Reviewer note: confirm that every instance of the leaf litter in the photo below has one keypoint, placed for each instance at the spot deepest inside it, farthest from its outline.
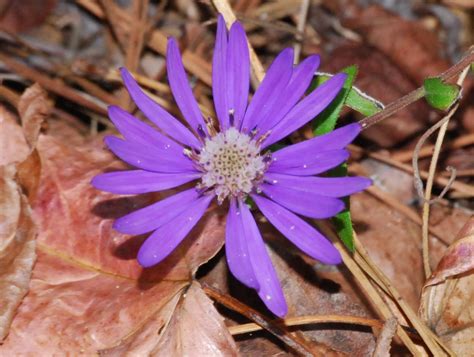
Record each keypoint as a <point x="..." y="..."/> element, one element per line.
<point x="88" y="295"/>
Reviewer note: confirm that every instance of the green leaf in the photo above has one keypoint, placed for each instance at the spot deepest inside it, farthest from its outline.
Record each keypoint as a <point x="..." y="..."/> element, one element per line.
<point x="343" y="223"/>
<point x="361" y="102"/>
<point x="440" y="95"/>
<point x="343" y="220"/>
<point x="326" y="121"/>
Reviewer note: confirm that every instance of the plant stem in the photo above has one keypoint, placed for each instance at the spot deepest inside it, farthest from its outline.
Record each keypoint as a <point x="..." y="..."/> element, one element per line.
<point x="418" y="93"/>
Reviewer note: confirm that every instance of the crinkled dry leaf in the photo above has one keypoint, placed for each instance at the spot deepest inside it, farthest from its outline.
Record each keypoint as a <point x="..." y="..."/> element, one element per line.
<point x="184" y="335"/>
<point x="447" y="303"/>
<point x="34" y="108"/>
<point x="88" y="293"/>
<point x="13" y="145"/>
<point x="17" y="229"/>
<point x="17" y="247"/>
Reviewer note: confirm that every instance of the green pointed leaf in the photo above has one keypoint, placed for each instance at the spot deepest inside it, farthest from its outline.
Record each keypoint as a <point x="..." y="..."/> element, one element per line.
<point x="362" y="103"/>
<point x="326" y="121"/>
<point x="343" y="221"/>
<point x="440" y="95"/>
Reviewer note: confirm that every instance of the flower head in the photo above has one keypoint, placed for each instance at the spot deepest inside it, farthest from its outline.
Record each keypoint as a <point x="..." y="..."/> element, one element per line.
<point x="229" y="160"/>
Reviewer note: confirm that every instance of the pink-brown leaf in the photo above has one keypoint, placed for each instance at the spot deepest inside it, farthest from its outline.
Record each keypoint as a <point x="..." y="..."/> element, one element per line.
<point x="17" y="247"/>
<point x="88" y="291"/>
<point x="447" y="302"/>
<point x="195" y="329"/>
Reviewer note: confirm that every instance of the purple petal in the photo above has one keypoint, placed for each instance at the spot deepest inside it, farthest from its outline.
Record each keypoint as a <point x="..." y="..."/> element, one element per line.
<point x="135" y="130"/>
<point x="277" y="77"/>
<point x="182" y="92"/>
<point x="299" y="232"/>
<point x="335" y="140"/>
<point x="287" y="98"/>
<point x="236" y="250"/>
<point x="307" y="109"/>
<point x="324" y="186"/>
<point x="167" y="237"/>
<point x="305" y="203"/>
<point x="149" y="158"/>
<point x="162" y="119"/>
<point x="138" y="181"/>
<point x="151" y="217"/>
<point x="270" y="290"/>
<point x="305" y="163"/>
<point x="238" y="72"/>
<point x="219" y="74"/>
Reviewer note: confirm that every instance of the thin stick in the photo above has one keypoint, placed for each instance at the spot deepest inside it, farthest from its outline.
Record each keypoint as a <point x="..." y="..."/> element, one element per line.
<point x="462" y="141"/>
<point x="308" y="320"/>
<point x="258" y="72"/>
<point x="136" y="38"/>
<point x="382" y="347"/>
<point x="279" y="331"/>
<point x="300" y="27"/>
<point x="418" y="93"/>
<point x="156" y="41"/>
<point x="429" y="186"/>
<point x="429" y="182"/>
<point x="433" y="342"/>
<point x="462" y="187"/>
<point x="373" y="294"/>
<point x="135" y="42"/>
<point x="53" y="85"/>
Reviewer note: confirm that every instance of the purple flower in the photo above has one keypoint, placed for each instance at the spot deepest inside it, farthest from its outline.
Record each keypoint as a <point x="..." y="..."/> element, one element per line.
<point x="230" y="160"/>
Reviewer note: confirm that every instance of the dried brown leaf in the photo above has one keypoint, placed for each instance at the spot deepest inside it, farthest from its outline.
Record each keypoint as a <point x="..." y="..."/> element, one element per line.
<point x="17" y="247"/>
<point x="412" y="47"/>
<point x="13" y="145"/>
<point x="184" y="334"/>
<point x="88" y="293"/>
<point x="447" y="303"/>
<point x="34" y="108"/>
<point x="19" y="16"/>
<point x="379" y="77"/>
<point x="17" y="229"/>
<point x="393" y="243"/>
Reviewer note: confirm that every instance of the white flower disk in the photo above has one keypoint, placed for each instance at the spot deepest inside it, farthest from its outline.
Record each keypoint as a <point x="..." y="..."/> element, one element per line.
<point x="232" y="164"/>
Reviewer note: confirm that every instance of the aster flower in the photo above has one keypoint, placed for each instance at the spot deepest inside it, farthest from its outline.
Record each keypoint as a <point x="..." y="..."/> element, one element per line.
<point x="229" y="160"/>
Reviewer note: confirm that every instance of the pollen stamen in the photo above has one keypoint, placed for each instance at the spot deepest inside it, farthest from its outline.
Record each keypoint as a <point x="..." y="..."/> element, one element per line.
<point x="211" y="128"/>
<point x="232" y="164"/>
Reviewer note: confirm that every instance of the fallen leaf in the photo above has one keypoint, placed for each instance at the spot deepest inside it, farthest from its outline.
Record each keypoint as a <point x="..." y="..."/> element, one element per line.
<point x="21" y="16"/>
<point x="392" y="241"/>
<point x="381" y="78"/>
<point x="412" y="47"/>
<point x="17" y="247"/>
<point x="13" y="145"/>
<point x="88" y="293"/>
<point x="185" y="335"/>
<point x="447" y="303"/>
<point x="20" y="169"/>
<point x="34" y="108"/>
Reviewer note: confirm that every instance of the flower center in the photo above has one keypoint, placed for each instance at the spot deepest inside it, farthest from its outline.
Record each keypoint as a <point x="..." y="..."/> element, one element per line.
<point x="232" y="164"/>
